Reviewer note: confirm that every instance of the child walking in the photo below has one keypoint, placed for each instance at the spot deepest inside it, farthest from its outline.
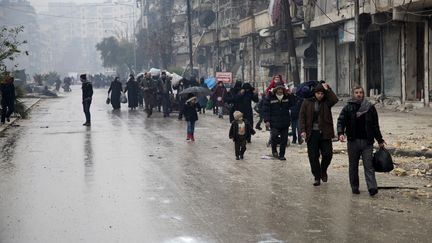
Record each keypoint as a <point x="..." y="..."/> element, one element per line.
<point x="240" y="131"/>
<point x="191" y="116"/>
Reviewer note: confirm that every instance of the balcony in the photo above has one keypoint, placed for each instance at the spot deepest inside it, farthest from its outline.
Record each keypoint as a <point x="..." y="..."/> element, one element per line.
<point x="259" y="21"/>
<point x="198" y="5"/>
<point x="231" y="33"/>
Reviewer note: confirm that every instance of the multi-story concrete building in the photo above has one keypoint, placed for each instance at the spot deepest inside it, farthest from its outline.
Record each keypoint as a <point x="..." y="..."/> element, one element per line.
<point x="395" y="46"/>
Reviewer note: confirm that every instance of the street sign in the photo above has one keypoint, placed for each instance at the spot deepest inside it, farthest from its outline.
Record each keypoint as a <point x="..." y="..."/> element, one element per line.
<point x="225" y="77"/>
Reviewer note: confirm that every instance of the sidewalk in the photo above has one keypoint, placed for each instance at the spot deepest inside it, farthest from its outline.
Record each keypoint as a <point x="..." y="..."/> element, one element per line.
<point x="29" y="103"/>
<point x="408" y="135"/>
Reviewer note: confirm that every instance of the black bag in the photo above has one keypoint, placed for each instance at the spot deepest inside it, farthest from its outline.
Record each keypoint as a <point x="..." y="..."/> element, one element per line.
<point x="382" y="161"/>
<point x="108" y="101"/>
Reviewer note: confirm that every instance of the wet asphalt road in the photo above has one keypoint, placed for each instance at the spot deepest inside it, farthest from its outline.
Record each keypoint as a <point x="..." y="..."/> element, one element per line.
<point x="133" y="179"/>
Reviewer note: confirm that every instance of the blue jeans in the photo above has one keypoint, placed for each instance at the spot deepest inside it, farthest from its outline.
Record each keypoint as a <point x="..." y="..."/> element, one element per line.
<point x="86" y="108"/>
<point x="190" y="127"/>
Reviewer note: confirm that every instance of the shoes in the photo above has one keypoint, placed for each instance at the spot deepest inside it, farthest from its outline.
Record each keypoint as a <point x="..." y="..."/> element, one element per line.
<point x="7" y="119"/>
<point x="258" y="127"/>
<point x="373" y="191"/>
<point x="317" y="182"/>
<point x="237" y="158"/>
<point x="220" y="116"/>
<point x="241" y="156"/>
<point x="275" y="155"/>
<point x="192" y="138"/>
<point x="294" y="142"/>
<point x="282" y="158"/>
<point x="300" y="141"/>
<point x="268" y="144"/>
<point x="324" y="176"/>
<point x="356" y="191"/>
<point x="87" y="124"/>
<point x="188" y="137"/>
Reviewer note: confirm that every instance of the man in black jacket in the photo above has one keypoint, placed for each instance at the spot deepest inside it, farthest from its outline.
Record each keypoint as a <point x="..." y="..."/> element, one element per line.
<point x="277" y="117"/>
<point x="87" y="93"/>
<point x="359" y="121"/>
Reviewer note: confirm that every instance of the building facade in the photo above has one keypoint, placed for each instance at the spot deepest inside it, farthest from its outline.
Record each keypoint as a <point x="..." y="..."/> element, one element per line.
<point x="394" y="41"/>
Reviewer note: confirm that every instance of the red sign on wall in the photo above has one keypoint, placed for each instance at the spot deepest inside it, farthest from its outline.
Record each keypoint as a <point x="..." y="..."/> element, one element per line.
<point x="225" y="77"/>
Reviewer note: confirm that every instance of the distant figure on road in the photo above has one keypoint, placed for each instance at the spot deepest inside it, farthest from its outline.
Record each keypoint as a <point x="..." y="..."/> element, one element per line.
<point x="277" y="118"/>
<point x="115" y="89"/>
<point x="231" y="99"/>
<point x="191" y="116"/>
<point x="241" y="130"/>
<point x="8" y="98"/>
<point x="295" y="110"/>
<point x="218" y="97"/>
<point x="149" y="87"/>
<point x="132" y="90"/>
<point x="316" y="127"/>
<point x="276" y="81"/>
<point x="359" y="121"/>
<point x="165" y="90"/>
<point x="87" y="94"/>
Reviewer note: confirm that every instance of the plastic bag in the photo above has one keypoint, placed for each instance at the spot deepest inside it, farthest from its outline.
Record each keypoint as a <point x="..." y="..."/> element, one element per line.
<point x="123" y="98"/>
<point x="382" y="161"/>
<point x="210" y="104"/>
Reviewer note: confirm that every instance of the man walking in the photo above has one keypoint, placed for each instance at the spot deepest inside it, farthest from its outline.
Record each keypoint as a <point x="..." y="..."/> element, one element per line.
<point x="316" y="127"/>
<point x="277" y="118"/>
<point x="87" y="93"/>
<point x="359" y="121"/>
<point x="165" y="90"/>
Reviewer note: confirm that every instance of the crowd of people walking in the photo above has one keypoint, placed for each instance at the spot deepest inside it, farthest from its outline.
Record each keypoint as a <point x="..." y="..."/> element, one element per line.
<point x="306" y="109"/>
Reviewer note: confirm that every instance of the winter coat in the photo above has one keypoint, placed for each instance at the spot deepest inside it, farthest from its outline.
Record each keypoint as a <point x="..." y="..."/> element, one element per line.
<point x="7" y="94"/>
<point x="87" y="91"/>
<point x="165" y="86"/>
<point x="277" y="112"/>
<point x="132" y="92"/>
<point x="220" y="91"/>
<point x="273" y="85"/>
<point x="325" y="118"/>
<point x="244" y="104"/>
<point x="346" y="123"/>
<point x="115" y="89"/>
<point x="190" y="111"/>
<point x="295" y="110"/>
<point x="233" y="132"/>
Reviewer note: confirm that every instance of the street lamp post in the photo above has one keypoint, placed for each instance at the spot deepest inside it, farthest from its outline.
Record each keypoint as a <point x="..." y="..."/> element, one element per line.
<point x="134" y="30"/>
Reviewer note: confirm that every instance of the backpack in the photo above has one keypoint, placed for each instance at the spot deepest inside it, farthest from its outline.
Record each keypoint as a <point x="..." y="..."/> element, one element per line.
<point x="306" y="90"/>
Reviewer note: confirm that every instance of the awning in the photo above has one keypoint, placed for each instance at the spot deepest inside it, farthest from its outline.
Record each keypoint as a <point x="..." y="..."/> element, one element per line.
<point x="301" y="50"/>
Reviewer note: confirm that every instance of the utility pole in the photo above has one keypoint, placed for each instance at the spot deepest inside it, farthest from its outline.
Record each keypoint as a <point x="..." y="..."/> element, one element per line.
<point x="287" y="25"/>
<point x="190" y="36"/>
<point x="357" y="43"/>
<point x="218" y="68"/>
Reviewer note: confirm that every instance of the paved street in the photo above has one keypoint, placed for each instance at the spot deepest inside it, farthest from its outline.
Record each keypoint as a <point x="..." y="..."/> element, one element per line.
<point x="129" y="178"/>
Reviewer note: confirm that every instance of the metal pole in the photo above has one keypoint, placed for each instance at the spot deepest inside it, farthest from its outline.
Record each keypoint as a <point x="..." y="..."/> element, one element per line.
<point x="190" y="36"/>
<point x="357" y="43"/>
<point x="217" y="40"/>
<point x="134" y="40"/>
<point x="291" y="42"/>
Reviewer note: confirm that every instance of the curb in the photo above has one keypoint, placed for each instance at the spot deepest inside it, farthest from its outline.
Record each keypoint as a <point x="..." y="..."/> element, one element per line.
<point x="13" y="120"/>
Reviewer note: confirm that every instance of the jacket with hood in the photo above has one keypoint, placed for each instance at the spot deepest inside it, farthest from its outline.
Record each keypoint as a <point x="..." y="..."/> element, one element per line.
<point x="325" y="118"/>
<point x="273" y="84"/>
<point x="276" y="111"/>
<point x="348" y="120"/>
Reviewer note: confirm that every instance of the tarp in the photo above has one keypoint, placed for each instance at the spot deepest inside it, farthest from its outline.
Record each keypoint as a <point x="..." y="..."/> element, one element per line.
<point x="210" y="82"/>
